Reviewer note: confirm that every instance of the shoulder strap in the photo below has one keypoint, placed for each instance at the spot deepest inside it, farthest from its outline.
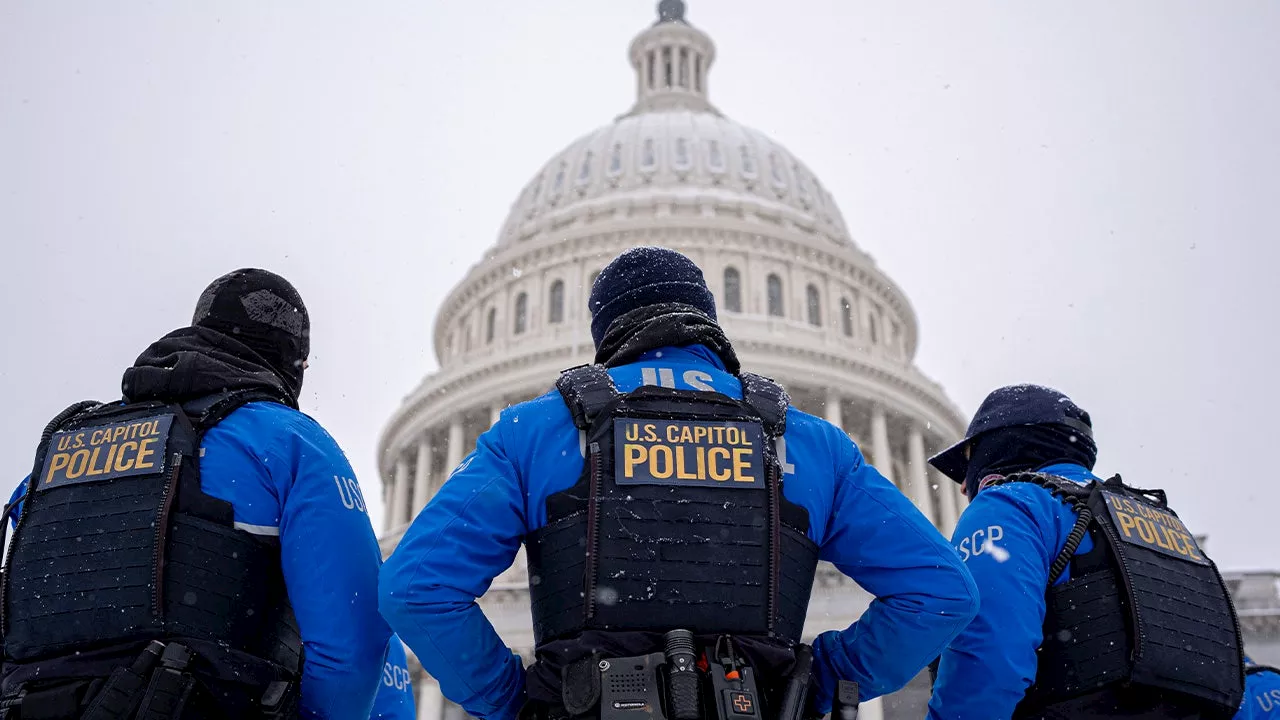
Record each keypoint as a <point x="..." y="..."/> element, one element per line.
<point x="1073" y="496"/>
<point x="210" y="410"/>
<point x="586" y="389"/>
<point x="767" y="398"/>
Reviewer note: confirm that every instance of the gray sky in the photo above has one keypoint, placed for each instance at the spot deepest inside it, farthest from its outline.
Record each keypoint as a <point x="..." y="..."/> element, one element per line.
<point x="1077" y="194"/>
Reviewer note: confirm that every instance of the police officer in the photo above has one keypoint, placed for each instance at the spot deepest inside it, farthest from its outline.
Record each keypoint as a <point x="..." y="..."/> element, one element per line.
<point x="176" y="551"/>
<point x="394" y="700"/>
<point x="669" y="502"/>
<point x="1261" y="692"/>
<point x="1096" y="601"/>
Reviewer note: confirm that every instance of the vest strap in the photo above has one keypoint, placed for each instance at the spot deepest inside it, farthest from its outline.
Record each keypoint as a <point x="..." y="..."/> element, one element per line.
<point x="586" y="389"/>
<point x="767" y="398"/>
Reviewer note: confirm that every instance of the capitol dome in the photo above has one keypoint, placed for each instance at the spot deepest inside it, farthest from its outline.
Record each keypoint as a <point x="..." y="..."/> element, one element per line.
<point x="801" y="302"/>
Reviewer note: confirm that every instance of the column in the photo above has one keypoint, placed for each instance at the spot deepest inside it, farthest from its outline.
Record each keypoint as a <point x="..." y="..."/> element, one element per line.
<point x="454" y="451"/>
<point x="399" y="510"/>
<point x="919" y="474"/>
<point x="834" y="412"/>
<point x="883" y="460"/>
<point x="422" y="478"/>
<point x="871" y="710"/>
<point x="495" y="412"/>
<point x="430" y="702"/>
<point x="947" y="491"/>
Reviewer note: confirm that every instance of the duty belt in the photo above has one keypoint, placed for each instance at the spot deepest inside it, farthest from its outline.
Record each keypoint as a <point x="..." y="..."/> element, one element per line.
<point x="155" y="686"/>
<point x="677" y="684"/>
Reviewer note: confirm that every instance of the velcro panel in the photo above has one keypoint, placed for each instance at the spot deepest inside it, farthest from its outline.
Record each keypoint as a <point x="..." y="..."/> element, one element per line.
<point x="1185" y="626"/>
<point x="683" y="557"/>
<point x="557" y="556"/>
<point x="799" y="563"/>
<point x="1086" y="641"/>
<point x="219" y="583"/>
<point x="82" y="571"/>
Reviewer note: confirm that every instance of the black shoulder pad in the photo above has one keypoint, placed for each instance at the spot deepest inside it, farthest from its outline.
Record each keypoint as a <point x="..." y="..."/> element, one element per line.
<point x="767" y="398"/>
<point x="210" y="410"/>
<point x="586" y="389"/>
<point x="1069" y="492"/>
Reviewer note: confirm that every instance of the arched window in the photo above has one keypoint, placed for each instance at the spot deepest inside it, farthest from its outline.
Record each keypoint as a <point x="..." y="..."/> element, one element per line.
<point x="615" y="160"/>
<point x="648" y="155"/>
<point x="873" y="332"/>
<point x="682" y="154"/>
<point x="488" y="325"/>
<point x="558" y="184"/>
<point x="715" y="160"/>
<point x="774" y="287"/>
<point x="555" y="309"/>
<point x="667" y="70"/>
<point x="522" y="313"/>
<point x="732" y="290"/>
<point x="776" y="171"/>
<point x="748" y="162"/>
<point x="813" y="304"/>
<point x="584" y="173"/>
<point x="846" y="317"/>
<point x="591" y="283"/>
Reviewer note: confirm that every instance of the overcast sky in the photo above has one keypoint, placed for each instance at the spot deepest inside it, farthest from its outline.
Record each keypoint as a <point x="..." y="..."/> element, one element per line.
<point x="1078" y="194"/>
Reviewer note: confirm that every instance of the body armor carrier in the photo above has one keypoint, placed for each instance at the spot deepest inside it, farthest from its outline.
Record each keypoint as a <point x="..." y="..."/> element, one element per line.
<point x="1144" y="627"/>
<point x="120" y="561"/>
<point x="677" y="521"/>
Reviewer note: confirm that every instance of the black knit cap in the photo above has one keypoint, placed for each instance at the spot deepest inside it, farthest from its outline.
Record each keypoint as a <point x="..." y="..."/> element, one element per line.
<point x="646" y="276"/>
<point x="263" y="311"/>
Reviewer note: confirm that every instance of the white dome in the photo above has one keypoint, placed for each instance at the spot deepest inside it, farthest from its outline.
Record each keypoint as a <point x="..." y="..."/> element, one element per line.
<point x="696" y="156"/>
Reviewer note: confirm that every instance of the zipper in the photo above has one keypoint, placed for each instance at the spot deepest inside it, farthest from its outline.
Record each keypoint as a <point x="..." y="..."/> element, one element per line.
<point x="593" y="529"/>
<point x="775" y="523"/>
<point x="1138" y="631"/>
<point x="1235" y="619"/>
<point x="162" y="536"/>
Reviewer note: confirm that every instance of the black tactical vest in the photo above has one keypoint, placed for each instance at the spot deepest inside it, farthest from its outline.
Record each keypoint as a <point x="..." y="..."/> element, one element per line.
<point x="1145" y="626"/>
<point x="677" y="521"/>
<point x="117" y="545"/>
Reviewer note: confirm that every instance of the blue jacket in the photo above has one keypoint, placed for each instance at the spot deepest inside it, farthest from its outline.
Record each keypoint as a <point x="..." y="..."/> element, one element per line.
<point x="1008" y="537"/>
<point x="286" y="477"/>
<point x="1261" y="695"/>
<point x="471" y="530"/>
<point x="395" y="694"/>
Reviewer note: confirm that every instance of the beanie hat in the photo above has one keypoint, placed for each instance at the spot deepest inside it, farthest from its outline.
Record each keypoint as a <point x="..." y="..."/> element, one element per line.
<point x="264" y="312"/>
<point x="646" y="276"/>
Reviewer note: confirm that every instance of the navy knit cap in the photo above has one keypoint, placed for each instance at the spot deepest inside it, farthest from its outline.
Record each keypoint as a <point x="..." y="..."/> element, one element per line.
<point x="646" y="276"/>
<point x="1012" y="406"/>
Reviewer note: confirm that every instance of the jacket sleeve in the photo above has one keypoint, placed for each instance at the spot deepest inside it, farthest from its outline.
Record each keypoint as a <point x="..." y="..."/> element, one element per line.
<point x="465" y="537"/>
<point x="1006" y="539"/>
<point x="923" y="594"/>
<point x="330" y="559"/>
<point x="395" y="693"/>
<point x="1261" y="697"/>
<point x="15" y="502"/>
